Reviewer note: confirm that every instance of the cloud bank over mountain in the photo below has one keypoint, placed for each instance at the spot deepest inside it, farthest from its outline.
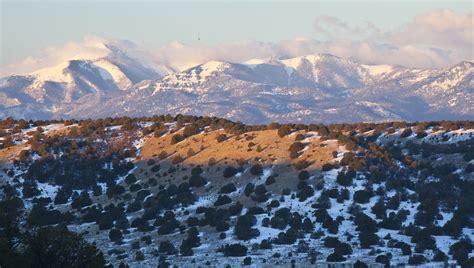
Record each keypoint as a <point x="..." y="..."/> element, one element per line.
<point x="436" y="39"/>
<point x="430" y="40"/>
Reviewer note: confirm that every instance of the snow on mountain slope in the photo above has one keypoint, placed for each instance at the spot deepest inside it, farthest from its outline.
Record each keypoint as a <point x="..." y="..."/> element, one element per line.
<point x="452" y="88"/>
<point x="115" y="73"/>
<point x="326" y="70"/>
<point x="311" y="88"/>
<point x="254" y="62"/>
<point x="192" y="78"/>
<point x="376" y="70"/>
<point x="319" y="70"/>
<point x="453" y="76"/>
<point x="58" y="90"/>
<point x="55" y="73"/>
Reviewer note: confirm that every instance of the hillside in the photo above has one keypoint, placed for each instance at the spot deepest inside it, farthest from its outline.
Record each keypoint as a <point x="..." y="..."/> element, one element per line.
<point x="194" y="191"/>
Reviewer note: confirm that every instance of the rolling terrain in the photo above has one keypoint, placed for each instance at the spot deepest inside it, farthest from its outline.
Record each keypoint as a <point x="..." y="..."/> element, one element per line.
<point x="193" y="191"/>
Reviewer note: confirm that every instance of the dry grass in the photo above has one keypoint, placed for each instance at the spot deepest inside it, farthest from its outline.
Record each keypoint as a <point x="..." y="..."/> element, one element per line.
<point x="11" y="152"/>
<point x="264" y="147"/>
<point x="269" y="150"/>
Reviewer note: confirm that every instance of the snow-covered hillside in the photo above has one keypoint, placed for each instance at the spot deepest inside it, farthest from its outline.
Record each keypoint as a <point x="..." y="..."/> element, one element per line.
<point x="195" y="191"/>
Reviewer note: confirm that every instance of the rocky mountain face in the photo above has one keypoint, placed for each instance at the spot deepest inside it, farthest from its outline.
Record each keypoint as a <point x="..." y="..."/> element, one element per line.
<point x="198" y="191"/>
<point x="313" y="88"/>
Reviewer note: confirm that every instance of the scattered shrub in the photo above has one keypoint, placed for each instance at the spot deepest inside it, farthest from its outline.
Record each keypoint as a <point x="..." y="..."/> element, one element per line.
<point x="256" y="170"/>
<point x="229" y="172"/>
<point x="222" y="200"/>
<point x="283" y="131"/>
<point x="295" y="148"/>
<point x="234" y="250"/>
<point x="303" y="175"/>
<point x="221" y="137"/>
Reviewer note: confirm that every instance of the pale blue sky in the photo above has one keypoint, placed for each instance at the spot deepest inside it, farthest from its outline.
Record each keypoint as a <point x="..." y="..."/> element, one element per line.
<point x="28" y="27"/>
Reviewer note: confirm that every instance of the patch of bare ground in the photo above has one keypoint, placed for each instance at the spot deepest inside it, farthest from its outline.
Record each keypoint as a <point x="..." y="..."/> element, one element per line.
<point x="11" y="152"/>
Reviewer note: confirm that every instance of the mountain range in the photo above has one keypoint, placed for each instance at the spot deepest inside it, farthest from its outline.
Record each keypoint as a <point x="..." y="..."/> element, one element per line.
<point x="312" y="88"/>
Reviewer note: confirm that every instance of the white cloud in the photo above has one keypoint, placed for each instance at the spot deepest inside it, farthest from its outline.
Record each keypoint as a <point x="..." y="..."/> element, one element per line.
<point x="433" y="40"/>
<point x="444" y="30"/>
<point x="91" y="47"/>
<point x="181" y="56"/>
<point x="335" y="28"/>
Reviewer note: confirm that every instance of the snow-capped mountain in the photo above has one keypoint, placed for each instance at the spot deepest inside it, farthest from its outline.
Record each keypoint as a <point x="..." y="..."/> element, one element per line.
<point x="323" y="71"/>
<point x="312" y="88"/>
<point x="55" y="91"/>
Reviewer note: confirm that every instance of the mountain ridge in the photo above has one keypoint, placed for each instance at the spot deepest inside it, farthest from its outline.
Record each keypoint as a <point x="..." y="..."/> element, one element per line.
<point x="310" y="88"/>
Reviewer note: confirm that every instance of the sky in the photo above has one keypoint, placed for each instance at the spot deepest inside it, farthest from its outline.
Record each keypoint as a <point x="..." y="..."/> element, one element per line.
<point x="35" y="34"/>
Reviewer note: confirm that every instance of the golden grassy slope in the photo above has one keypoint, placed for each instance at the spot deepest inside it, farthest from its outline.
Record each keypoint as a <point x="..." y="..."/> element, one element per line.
<point x="267" y="148"/>
<point x="273" y="154"/>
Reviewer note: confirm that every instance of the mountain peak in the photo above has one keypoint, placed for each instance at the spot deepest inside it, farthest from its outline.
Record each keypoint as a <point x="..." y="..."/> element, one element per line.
<point x="56" y="73"/>
<point x="315" y="87"/>
<point x="212" y="66"/>
<point x="316" y="57"/>
<point x="465" y="64"/>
